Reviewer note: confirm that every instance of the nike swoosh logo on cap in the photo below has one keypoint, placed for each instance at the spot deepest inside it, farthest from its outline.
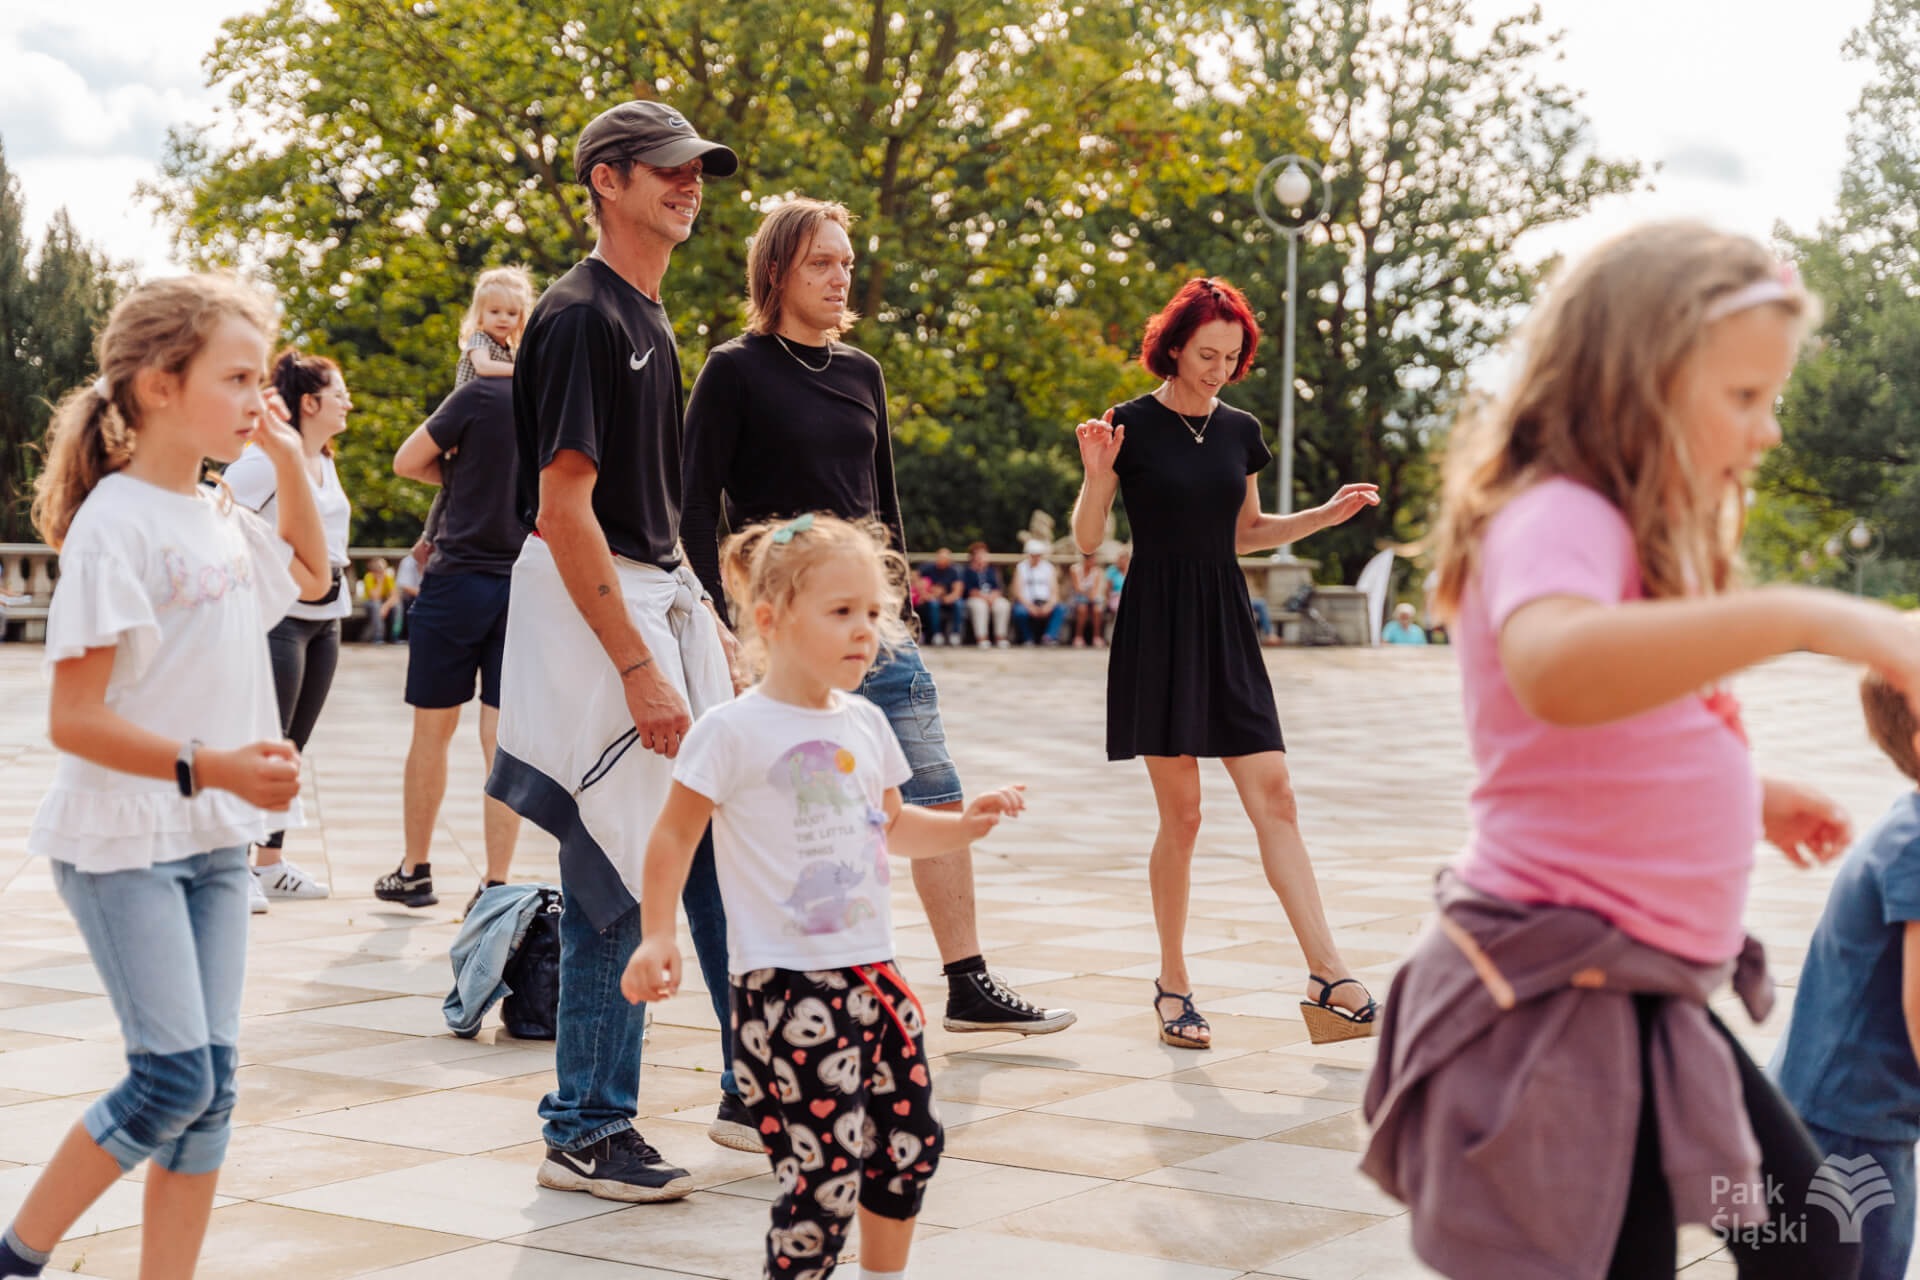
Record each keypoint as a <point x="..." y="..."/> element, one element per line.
<point x="638" y="362"/>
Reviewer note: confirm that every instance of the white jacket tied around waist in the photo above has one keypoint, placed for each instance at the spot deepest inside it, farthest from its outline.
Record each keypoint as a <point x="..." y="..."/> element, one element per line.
<point x="569" y="758"/>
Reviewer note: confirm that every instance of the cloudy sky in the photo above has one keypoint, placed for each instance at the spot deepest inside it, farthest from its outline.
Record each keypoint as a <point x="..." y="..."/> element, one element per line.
<point x="1744" y="102"/>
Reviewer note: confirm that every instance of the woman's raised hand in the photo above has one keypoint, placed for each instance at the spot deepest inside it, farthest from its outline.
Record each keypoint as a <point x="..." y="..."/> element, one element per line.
<point x="274" y="430"/>
<point x="1100" y="443"/>
<point x="1341" y="507"/>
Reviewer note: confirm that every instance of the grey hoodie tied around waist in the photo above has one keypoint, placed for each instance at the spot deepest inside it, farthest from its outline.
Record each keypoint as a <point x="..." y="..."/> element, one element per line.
<point x="1505" y="1097"/>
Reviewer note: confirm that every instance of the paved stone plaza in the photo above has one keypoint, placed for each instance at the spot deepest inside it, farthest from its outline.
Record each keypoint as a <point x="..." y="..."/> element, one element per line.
<point x="371" y="1141"/>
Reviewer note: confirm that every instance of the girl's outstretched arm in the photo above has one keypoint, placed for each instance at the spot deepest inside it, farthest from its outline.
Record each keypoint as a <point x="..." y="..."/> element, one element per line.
<point x="1573" y="661"/>
<point x="913" y="832"/>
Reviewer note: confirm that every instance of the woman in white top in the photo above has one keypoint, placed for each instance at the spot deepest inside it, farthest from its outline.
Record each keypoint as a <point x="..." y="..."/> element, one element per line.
<point x="306" y="644"/>
<point x="171" y="759"/>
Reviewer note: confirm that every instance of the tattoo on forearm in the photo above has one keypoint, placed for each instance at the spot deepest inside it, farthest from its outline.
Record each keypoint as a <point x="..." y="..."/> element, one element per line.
<point x="627" y="671"/>
<point x="605" y="590"/>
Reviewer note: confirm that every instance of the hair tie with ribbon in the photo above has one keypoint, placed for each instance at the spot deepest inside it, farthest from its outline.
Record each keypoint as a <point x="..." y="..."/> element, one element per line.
<point x="784" y="534"/>
<point x="102" y="389"/>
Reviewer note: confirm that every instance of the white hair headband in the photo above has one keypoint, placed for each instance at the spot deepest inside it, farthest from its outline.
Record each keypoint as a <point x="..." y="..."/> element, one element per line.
<point x="1782" y="286"/>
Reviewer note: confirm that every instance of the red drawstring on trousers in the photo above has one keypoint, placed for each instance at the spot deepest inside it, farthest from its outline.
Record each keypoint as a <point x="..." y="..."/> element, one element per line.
<point x="886" y="967"/>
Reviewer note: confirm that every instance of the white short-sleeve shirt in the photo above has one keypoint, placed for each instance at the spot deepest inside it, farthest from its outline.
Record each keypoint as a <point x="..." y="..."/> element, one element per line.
<point x="252" y="478"/>
<point x="184" y="587"/>
<point x="799" y="834"/>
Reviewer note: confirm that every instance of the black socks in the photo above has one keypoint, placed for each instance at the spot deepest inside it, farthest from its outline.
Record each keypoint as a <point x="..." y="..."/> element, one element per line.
<point x="960" y="970"/>
<point x="18" y="1260"/>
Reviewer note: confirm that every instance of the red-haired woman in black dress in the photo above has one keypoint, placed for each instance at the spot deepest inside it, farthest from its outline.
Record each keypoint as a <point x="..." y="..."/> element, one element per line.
<point x="1185" y="679"/>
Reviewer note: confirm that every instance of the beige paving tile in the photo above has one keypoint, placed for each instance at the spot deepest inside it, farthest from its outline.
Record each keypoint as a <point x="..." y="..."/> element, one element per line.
<point x="1281" y="1172"/>
<point x="993" y="1083"/>
<point x="467" y="1197"/>
<point x="1344" y="1132"/>
<point x="967" y="1255"/>
<point x="1068" y="1144"/>
<point x="15" y="996"/>
<point x="282" y="1037"/>
<point x="515" y="1262"/>
<point x="282" y="1093"/>
<point x="705" y="1234"/>
<point x="1182" y="1226"/>
<point x="64" y="1067"/>
<point x="409" y="1015"/>
<point x="247" y="1241"/>
<point x="1272" y="1073"/>
<point x="1233" y="1113"/>
<point x="1383" y="1251"/>
<point x="459" y="1124"/>
<point x="263" y="1162"/>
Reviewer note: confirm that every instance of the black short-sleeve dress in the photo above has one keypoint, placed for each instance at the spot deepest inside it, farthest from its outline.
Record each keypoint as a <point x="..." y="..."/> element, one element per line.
<point x="1184" y="674"/>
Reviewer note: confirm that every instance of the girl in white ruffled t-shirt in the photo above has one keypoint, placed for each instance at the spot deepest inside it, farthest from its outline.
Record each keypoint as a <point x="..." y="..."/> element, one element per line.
<point x="163" y="711"/>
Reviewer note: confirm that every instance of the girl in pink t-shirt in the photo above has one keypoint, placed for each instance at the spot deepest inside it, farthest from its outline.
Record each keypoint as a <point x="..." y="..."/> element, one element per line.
<point x="1587" y="549"/>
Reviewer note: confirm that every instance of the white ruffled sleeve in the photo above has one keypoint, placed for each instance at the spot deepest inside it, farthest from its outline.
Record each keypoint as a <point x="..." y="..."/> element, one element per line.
<point x="273" y="584"/>
<point x="99" y="601"/>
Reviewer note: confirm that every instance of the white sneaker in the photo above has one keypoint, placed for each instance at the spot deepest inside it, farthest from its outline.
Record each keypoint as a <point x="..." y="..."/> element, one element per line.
<point x="1002" y="644"/>
<point x="256" y="896"/>
<point x="287" y="879"/>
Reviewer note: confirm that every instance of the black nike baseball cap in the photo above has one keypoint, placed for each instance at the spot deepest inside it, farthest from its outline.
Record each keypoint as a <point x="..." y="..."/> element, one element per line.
<point x="652" y="133"/>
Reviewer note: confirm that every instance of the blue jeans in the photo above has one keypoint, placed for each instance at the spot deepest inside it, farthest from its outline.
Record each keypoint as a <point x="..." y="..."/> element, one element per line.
<point x="900" y="685"/>
<point x="1029" y="625"/>
<point x="1886" y="1232"/>
<point x="597" y="1050"/>
<point x="1262" y="620"/>
<point x="170" y="944"/>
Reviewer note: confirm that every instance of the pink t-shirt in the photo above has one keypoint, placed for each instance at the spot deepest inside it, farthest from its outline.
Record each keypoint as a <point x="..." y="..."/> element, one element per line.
<point x="1649" y="822"/>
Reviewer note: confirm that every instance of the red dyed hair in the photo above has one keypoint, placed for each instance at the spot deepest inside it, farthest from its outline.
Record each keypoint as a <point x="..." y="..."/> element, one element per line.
<point x="1199" y="302"/>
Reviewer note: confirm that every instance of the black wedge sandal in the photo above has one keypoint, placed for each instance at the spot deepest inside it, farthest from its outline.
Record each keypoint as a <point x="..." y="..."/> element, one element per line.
<point x="1170" y="1032"/>
<point x="1328" y="1022"/>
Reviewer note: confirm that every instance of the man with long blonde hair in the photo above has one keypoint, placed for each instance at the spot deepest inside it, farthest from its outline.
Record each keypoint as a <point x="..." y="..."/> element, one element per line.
<point x="787" y="419"/>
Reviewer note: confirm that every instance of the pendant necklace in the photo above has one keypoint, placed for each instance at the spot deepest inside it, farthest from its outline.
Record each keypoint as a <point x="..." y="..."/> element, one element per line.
<point x="1199" y="433"/>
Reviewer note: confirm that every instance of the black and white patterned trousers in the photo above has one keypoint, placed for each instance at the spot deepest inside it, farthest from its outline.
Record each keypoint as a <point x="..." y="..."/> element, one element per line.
<point x="833" y="1067"/>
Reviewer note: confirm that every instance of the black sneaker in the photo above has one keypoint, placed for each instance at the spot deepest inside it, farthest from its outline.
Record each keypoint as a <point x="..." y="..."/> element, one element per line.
<point x="409" y="890"/>
<point x="620" y="1166"/>
<point x="981" y="1002"/>
<point x="734" y="1126"/>
<point x="474" y="901"/>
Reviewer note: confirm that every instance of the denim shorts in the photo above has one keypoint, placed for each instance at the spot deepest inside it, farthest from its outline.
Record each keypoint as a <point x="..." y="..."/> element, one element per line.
<point x="900" y="685"/>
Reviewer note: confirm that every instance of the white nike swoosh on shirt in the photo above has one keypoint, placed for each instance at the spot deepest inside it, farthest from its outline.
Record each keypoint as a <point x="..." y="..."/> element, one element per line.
<point x="637" y="363"/>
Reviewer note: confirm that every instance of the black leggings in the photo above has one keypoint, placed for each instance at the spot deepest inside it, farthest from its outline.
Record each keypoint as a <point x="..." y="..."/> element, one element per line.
<point x="305" y="653"/>
<point x="1796" y="1243"/>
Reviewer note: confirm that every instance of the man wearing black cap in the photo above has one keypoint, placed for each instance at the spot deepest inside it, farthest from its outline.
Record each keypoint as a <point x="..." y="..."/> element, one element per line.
<point x="610" y="648"/>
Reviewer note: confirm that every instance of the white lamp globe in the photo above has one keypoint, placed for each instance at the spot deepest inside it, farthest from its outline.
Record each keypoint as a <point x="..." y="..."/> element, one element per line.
<point x="1860" y="535"/>
<point x="1293" y="187"/>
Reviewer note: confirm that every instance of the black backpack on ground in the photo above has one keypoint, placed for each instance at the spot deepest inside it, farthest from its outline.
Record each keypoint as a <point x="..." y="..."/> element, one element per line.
<point x="532" y="1007"/>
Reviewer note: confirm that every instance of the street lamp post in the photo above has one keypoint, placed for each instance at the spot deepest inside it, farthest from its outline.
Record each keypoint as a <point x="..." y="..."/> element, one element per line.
<point x="1861" y="545"/>
<point x="1291" y="185"/>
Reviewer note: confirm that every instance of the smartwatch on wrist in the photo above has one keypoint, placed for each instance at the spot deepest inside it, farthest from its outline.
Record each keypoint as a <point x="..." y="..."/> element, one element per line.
<point x="183" y="768"/>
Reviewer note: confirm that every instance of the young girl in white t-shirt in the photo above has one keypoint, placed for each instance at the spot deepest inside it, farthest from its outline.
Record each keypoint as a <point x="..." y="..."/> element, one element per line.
<point x="800" y="777"/>
<point x="163" y="711"/>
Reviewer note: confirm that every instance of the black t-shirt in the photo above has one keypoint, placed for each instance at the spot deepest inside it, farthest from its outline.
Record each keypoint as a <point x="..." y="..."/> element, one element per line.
<point x="480" y="529"/>
<point x="598" y="372"/>
<point x="1183" y="497"/>
<point x="777" y="438"/>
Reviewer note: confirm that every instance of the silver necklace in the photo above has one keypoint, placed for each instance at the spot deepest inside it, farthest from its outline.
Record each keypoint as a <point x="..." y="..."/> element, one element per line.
<point x="802" y="363"/>
<point x="1199" y="433"/>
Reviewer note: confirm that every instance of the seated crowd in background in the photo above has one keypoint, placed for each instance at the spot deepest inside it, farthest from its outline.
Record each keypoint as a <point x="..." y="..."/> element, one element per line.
<point x="1036" y="603"/>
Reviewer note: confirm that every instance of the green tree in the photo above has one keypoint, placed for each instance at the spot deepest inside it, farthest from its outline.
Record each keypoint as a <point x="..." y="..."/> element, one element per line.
<point x="1032" y="178"/>
<point x="392" y="153"/>
<point x="1851" y="415"/>
<point x="51" y="305"/>
<point x="1445" y="142"/>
